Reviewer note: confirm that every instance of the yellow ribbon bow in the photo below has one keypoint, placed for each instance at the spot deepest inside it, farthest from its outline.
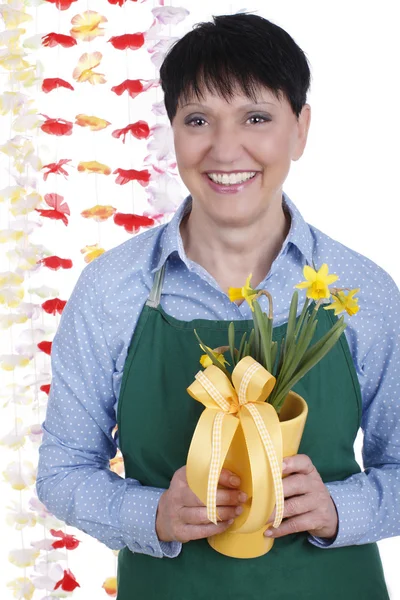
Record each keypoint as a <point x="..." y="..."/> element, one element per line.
<point x="237" y="430"/>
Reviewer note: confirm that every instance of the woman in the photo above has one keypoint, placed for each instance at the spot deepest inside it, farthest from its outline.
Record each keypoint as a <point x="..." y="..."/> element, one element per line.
<point x="125" y="351"/>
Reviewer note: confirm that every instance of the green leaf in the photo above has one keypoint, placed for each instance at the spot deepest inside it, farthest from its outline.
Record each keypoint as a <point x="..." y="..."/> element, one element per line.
<point x="274" y="352"/>
<point x="264" y="335"/>
<point x="301" y="317"/>
<point x="320" y="346"/>
<point x="291" y="322"/>
<point x="296" y="358"/>
<point x="251" y="341"/>
<point x="280" y="362"/>
<point x="212" y="357"/>
<point x="241" y="347"/>
<point x="231" y="338"/>
<point x="268" y="327"/>
<point x="257" y="341"/>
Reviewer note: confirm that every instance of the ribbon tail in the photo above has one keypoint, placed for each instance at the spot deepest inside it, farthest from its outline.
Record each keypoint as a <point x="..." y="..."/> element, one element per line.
<point x="214" y="468"/>
<point x="273" y="461"/>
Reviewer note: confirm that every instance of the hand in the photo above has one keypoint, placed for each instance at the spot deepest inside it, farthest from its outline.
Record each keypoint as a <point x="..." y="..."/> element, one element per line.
<point x="310" y="505"/>
<point x="182" y="517"/>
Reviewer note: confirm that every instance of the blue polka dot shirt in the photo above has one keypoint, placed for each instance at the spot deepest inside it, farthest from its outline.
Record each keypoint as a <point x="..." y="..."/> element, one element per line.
<point x="90" y="347"/>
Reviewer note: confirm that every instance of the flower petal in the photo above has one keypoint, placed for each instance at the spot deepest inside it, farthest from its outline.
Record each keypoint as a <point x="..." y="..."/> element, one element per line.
<point x="309" y="273"/>
<point x="235" y="294"/>
<point x="331" y="278"/>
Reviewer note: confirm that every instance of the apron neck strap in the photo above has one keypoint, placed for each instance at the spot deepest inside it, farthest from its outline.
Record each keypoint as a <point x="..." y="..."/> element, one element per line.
<point x="155" y="292"/>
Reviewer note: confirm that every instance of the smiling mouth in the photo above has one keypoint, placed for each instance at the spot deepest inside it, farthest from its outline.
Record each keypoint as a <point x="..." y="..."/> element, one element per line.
<point x="220" y="179"/>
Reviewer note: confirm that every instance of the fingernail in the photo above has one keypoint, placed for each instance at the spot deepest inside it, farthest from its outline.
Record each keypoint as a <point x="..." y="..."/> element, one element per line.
<point x="268" y="533"/>
<point x="242" y="497"/>
<point x="231" y="521"/>
<point x="284" y="465"/>
<point x="234" y="481"/>
<point x="239" y="510"/>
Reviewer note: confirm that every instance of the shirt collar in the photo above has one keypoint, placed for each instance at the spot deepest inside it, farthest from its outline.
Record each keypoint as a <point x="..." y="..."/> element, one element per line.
<point x="171" y="241"/>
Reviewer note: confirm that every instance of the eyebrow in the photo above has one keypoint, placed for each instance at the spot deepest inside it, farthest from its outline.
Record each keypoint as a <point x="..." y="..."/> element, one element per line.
<point x="244" y="106"/>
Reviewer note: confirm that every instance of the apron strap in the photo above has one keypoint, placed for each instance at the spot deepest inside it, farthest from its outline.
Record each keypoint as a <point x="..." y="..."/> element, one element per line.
<point x="155" y="292"/>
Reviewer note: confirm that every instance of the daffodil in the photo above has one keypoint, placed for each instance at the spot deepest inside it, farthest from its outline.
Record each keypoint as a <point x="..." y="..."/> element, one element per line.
<point x="343" y="302"/>
<point x="317" y="282"/>
<point x="206" y="361"/>
<point x="244" y="293"/>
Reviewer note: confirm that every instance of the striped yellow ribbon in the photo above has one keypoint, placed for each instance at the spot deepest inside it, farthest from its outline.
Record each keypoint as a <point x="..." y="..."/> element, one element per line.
<point x="226" y="408"/>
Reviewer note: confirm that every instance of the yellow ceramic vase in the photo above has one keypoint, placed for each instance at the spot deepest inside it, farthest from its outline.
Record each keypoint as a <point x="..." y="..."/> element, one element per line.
<point x="292" y="419"/>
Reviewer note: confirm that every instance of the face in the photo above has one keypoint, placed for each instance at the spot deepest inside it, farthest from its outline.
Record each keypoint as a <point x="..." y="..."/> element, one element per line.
<point x="213" y="136"/>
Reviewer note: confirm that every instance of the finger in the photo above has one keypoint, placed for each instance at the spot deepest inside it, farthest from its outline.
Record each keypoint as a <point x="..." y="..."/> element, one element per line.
<point x="224" y="497"/>
<point x="299" y="463"/>
<point x="296" y="524"/>
<point x="198" y="515"/>
<point x="230" y="497"/>
<point x="229" y="479"/>
<point x="297" y="505"/>
<point x="297" y="484"/>
<point x="197" y="532"/>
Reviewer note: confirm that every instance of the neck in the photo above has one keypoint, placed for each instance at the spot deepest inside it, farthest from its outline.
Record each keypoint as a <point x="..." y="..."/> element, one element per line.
<point x="231" y="254"/>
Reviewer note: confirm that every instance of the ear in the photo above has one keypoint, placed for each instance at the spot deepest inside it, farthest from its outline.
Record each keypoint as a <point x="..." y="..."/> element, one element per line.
<point x="302" y="125"/>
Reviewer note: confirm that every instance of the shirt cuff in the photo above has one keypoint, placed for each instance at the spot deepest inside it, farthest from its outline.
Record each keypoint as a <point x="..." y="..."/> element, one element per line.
<point x="138" y="522"/>
<point x="350" y="530"/>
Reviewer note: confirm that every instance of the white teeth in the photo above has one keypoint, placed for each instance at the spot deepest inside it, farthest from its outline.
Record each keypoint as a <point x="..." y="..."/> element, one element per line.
<point x="231" y="179"/>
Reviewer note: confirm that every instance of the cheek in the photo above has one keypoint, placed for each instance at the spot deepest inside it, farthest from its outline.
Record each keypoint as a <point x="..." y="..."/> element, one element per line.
<point x="272" y="148"/>
<point x="187" y="150"/>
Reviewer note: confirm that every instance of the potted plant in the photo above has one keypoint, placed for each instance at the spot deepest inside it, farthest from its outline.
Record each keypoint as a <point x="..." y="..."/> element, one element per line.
<point x="252" y="417"/>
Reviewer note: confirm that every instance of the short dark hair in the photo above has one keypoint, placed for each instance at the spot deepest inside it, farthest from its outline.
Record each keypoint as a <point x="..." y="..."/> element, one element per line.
<point x="243" y="49"/>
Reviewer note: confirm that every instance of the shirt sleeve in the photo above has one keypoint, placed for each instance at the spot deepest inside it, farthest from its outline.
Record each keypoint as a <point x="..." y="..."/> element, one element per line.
<point x="367" y="502"/>
<point x="74" y="480"/>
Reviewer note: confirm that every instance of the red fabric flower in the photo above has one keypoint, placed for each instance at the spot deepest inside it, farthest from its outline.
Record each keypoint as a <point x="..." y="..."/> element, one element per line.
<point x="56" y="168"/>
<point x="140" y="130"/>
<point x="51" y="83"/>
<point x="55" y="262"/>
<point x="68" y="583"/>
<point x="61" y="208"/>
<point x="67" y="541"/>
<point x="45" y="347"/>
<point x="127" y="40"/>
<point x="53" y="39"/>
<point x="132" y="222"/>
<point x="53" y="306"/>
<point x="56" y="126"/>
<point x="126" y="175"/>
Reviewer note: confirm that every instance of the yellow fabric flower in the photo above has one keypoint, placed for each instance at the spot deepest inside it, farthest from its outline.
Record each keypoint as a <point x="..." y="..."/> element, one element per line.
<point x="343" y="303"/>
<point x="317" y="282"/>
<point x="246" y="293"/>
<point x="206" y="361"/>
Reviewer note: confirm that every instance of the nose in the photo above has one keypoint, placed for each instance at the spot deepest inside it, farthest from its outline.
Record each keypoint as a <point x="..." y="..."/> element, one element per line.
<point x="226" y="146"/>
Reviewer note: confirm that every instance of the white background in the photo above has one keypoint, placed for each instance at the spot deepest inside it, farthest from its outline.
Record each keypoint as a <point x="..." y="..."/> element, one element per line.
<point x="346" y="183"/>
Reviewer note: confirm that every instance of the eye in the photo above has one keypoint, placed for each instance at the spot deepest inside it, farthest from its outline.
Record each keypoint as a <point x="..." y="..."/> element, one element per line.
<point x="193" y="119"/>
<point x="263" y="117"/>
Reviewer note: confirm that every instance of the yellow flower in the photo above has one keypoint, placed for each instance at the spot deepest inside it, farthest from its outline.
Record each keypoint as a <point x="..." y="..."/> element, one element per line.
<point x="317" y="282"/>
<point x="206" y="361"/>
<point x="344" y="303"/>
<point x="246" y="292"/>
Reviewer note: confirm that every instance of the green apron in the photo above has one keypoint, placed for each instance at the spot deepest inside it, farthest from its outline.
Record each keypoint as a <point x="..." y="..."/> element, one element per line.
<point x="156" y="420"/>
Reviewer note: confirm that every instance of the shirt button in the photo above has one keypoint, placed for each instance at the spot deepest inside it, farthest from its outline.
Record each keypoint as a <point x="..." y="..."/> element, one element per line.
<point x="150" y="549"/>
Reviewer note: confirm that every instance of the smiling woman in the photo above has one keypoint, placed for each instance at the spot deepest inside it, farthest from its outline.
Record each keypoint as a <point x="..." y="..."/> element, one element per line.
<point x="235" y="93"/>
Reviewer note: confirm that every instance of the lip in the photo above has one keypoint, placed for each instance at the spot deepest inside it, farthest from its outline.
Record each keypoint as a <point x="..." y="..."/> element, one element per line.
<point x="231" y="189"/>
